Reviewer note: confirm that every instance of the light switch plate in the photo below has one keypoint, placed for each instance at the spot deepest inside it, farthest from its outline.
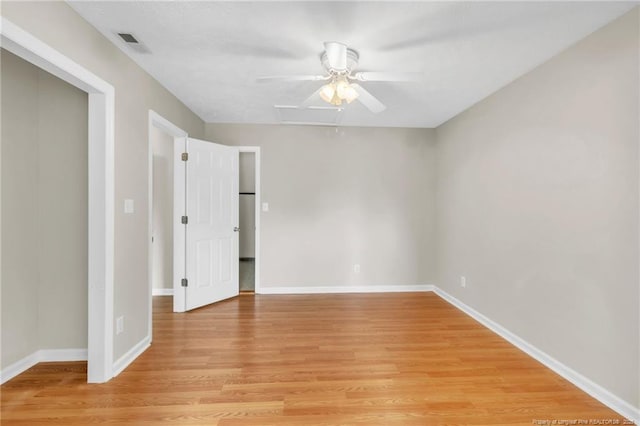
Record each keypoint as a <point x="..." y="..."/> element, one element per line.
<point x="265" y="207"/>
<point x="128" y="206"/>
<point x="120" y="324"/>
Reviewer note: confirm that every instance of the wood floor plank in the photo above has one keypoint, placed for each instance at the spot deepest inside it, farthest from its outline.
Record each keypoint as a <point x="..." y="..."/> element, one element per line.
<point x="356" y="359"/>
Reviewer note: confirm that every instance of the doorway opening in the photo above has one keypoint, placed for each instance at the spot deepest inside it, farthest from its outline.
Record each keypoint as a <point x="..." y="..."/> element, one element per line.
<point x="162" y="212"/>
<point x="168" y="144"/>
<point x="164" y="136"/>
<point x="100" y="211"/>
<point x="44" y="214"/>
<point x="247" y="213"/>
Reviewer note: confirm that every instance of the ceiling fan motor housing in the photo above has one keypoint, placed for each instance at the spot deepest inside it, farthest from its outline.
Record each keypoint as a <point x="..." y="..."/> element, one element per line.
<point x="352" y="62"/>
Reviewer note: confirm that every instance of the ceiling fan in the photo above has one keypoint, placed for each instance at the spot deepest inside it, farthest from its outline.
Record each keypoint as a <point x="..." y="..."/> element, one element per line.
<point x="343" y="84"/>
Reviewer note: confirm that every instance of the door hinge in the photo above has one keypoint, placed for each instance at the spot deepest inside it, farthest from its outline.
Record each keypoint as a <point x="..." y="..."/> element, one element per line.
<point x="185" y="220"/>
<point x="185" y="156"/>
<point x="184" y="282"/>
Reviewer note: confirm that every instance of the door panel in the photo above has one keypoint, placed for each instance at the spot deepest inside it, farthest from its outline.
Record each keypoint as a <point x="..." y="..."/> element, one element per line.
<point x="212" y="209"/>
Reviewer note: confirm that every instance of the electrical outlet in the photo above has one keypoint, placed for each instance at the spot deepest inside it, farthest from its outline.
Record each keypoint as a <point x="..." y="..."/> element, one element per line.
<point x="463" y="282"/>
<point x="120" y="324"/>
<point x="356" y="268"/>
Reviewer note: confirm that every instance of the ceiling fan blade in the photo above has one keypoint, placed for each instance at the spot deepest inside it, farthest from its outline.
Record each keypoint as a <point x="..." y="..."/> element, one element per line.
<point x="336" y="55"/>
<point x="368" y="100"/>
<point x="388" y="76"/>
<point x="292" y="78"/>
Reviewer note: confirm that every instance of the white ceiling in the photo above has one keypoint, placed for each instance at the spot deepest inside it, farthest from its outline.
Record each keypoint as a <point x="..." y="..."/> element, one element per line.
<point x="209" y="54"/>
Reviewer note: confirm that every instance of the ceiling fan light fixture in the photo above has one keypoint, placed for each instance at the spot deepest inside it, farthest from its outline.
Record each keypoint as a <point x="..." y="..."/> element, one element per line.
<point x="341" y="88"/>
<point x="336" y="100"/>
<point x="338" y="91"/>
<point x="341" y="84"/>
<point x="327" y="92"/>
<point x="350" y="94"/>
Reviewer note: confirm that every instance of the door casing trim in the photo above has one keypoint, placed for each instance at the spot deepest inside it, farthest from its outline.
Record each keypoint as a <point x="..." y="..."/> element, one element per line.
<point x="101" y="141"/>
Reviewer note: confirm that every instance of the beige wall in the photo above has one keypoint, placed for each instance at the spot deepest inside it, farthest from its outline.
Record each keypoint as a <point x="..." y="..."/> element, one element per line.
<point x="19" y="243"/>
<point x="247" y="220"/>
<point x="44" y="202"/>
<point x="247" y="167"/>
<point x="247" y="207"/>
<point x="538" y="207"/>
<point x="162" y="220"/>
<point x="136" y="92"/>
<point x="337" y="198"/>
<point x="62" y="210"/>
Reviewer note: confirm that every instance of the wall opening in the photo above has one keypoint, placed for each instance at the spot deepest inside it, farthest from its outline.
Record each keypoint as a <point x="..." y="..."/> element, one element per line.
<point x="162" y="212"/>
<point x="247" y="208"/>
<point x="44" y="215"/>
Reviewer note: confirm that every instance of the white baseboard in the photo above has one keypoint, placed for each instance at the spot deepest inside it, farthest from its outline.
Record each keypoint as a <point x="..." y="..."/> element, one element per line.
<point x="60" y="355"/>
<point x="598" y="392"/>
<point x="346" y="289"/>
<point x="162" y="292"/>
<point x="130" y="356"/>
<point x="19" y="366"/>
<point x="42" y="355"/>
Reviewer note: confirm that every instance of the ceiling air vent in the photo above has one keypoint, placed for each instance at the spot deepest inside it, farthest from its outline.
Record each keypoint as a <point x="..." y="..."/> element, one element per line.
<point x="129" y="38"/>
<point x="133" y="43"/>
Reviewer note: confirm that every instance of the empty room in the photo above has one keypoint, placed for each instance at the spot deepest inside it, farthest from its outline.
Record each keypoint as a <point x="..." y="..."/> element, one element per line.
<point x="320" y="213"/>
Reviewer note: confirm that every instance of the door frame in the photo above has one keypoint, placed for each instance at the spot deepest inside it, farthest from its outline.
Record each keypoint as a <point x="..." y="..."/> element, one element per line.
<point x="101" y="106"/>
<point x="258" y="210"/>
<point x="179" y="135"/>
<point x="179" y="232"/>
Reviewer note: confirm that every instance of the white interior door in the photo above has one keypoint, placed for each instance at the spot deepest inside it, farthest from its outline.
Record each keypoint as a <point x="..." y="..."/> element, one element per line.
<point x="212" y="200"/>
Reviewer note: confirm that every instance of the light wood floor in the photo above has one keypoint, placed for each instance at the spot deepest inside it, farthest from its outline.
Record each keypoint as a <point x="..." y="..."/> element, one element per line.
<point x="374" y="359"/>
